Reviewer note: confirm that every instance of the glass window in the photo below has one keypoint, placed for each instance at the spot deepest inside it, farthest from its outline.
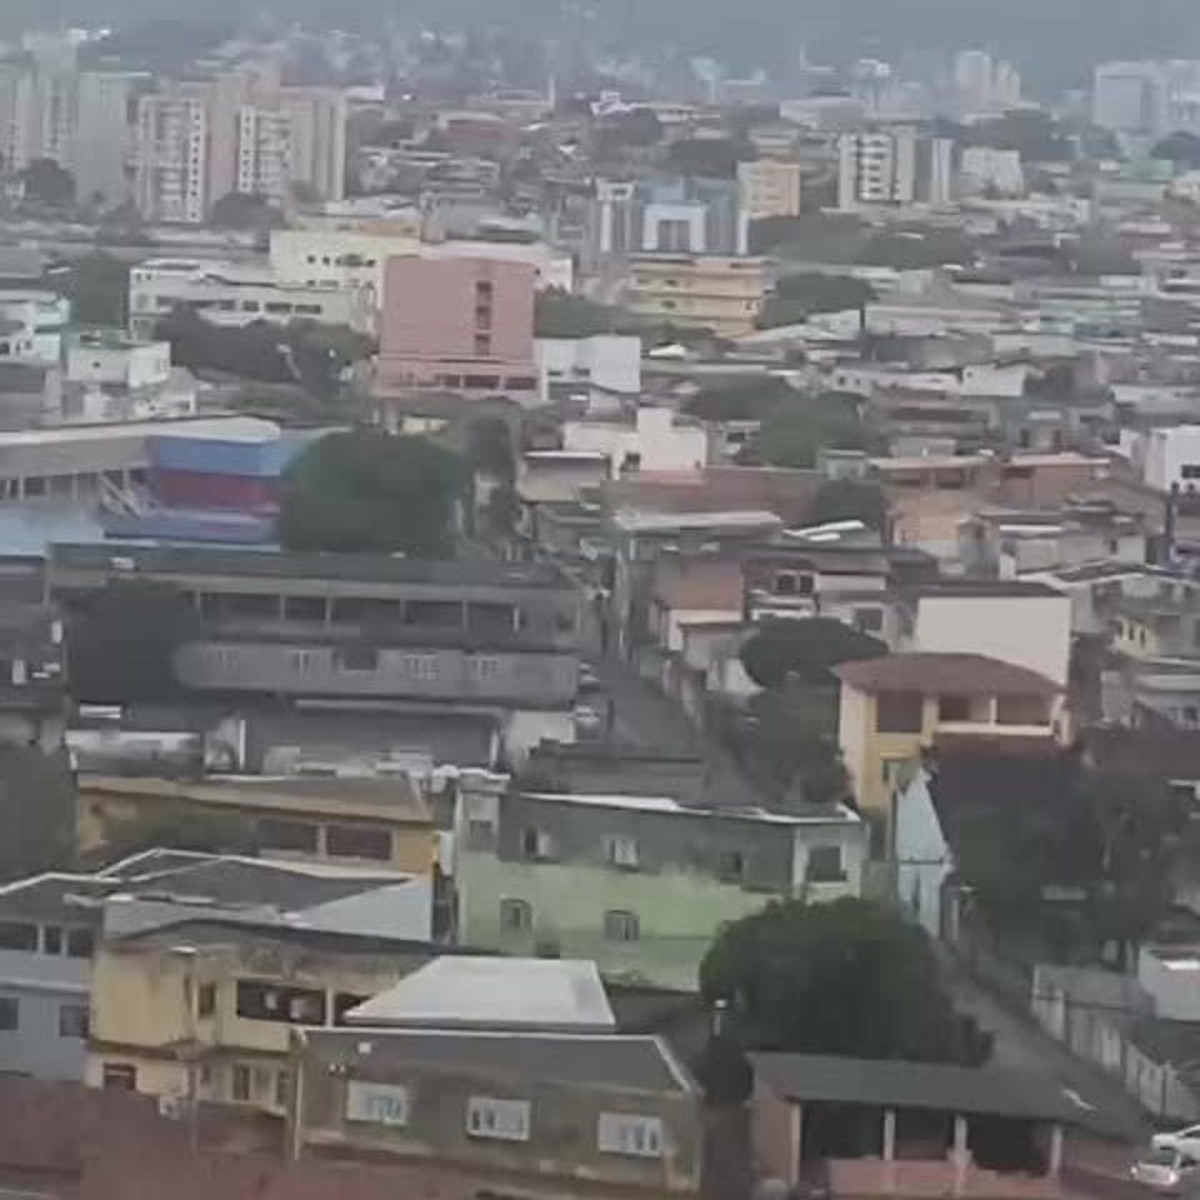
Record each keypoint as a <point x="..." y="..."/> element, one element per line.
<point x="241" y="1083"/>
<point x="10" y="1013"/>
<point x="621" y="926"/>
<point x="359" y="841"/>
<point x="206" y="1000"/>
<point x="954" y="708"/>
<point x="73" y="1021"/>
<point x="119" y="1077"/>
<point x="274" y="1002"/>
<point x="287" y="835"/>
<point x="18" y="935"/>
<point x="824" y="865"/>
<point x="81" y="943"/>
<point x="516" y="916"/>
<point x="52" y="939"/>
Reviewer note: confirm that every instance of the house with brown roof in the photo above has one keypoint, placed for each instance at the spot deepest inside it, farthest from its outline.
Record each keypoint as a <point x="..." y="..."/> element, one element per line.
<point x="893" y="707"/>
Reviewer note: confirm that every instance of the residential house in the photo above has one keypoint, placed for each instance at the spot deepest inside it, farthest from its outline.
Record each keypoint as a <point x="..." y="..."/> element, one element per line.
<point x="656" y="439"/>
<point x="640" y="884"/>
<point x="893" y="707"/>
<point x="379" y="822"/>
<point x="478" y="637"/>
<point x="202" y="1008"/>
<point x="866" y="1128"/>
<point x="554" y="1115"/>
<point x="605" y="360"/>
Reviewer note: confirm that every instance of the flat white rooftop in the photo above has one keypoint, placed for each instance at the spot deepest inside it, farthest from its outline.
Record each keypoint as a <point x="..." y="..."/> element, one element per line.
<point x="519" y="994"/>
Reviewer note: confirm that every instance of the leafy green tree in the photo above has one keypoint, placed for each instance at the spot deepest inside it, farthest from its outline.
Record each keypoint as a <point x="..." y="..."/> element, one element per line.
<point x="793" y="435"/>
<point x="121" y="650"/>
<point x="45" y="182"/>
<point x="798" y="296"/>
<point x="1181" y="147"/>
<point x="748" y="399"/>
<point x="850" y="500"/>
<point x="847" y="978"/>
<point x="369" y="492"/>
<point x="98" y="287"/>
<point x="639" y="127"/>
<point x="709" y="158"/>
<point x="807" y="649"/>
<point x="559" y="314"/>
<point x="253" y="351"/>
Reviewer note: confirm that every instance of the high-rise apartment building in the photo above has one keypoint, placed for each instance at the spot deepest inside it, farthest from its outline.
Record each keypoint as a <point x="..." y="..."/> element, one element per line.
<point x="1130" y="97"/>
<point x="78" y="119"/>
<point x="893" y="166"/>
<point x="238" y="132"/>
<point x="681" y="215"/>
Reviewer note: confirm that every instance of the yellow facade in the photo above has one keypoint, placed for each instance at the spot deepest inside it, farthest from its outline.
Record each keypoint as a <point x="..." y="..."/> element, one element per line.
<point x="709" y="291"/>
<point x="1136" y="638"/>
<point x="382" y="823"/>
<point x="769" y="187"/>
<point x="191" y="999"/>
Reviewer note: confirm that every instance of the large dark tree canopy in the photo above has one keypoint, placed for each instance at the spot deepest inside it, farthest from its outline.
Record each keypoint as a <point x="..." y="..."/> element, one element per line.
<point x="807" y="649"/>
<point x="849" y="977"/>
<point x="370" y="492"/>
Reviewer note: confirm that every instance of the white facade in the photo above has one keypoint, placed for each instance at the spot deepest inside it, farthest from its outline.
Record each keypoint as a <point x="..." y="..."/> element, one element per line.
<point x="607" y="360"/>
<point x="553" y="268"/>
<point x="44" y="317"/>
<point x="1027" y="631"/>
<point x="985" y="168"/>
<point x="1172" y="458"/>
<point x="107" y="362"/>
<point x="893" y="166"/>
<point x="228" y="294"/>
<point x="339" y="257"/>
<point x="653" y="443"/>
<point x="674" y="226"/>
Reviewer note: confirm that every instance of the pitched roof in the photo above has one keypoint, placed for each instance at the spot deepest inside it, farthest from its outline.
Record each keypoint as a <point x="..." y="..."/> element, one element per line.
<point x="971" y="674"/>
<point x="633" y="1061"/>
<point x="493" y="993"/>
<point x="899" y="1084"/>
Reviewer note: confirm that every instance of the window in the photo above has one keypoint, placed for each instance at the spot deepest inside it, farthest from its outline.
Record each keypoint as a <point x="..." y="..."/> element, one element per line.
<point x="283" y="1087"/>
<point x="10" y="1013"/>
<point x="359" y="658"/>
<point x="358" y="841"/>
<point x="480" y="668"/>
<point x="824" y="865"/>
<point x="241" y="1088"/>
<point x="621" y="851"/>
<point x="792" y="583"/>
<point x="626" y="1133"/>
<point x="483" y="345"/>
<point x="481" y="835"/>
<point x="954" y="708"/>
<point x="377" y="1103"/>
<point x="17" y="935"/>
<point x="898" y="712"/>
<point x="272" y="1002"/>
<point x="621" y="926"/>
<point x="119" y="1077"/>
<point x="536" y="845"/>
<point x="80" y="943"/>
<point x="1190" y="471"/>
<point x="504" y="1120"/>
<point x="516" y="916"/>
<point x="731" y="864"/>
<point x="73" y="1021"/>
<point x="206" y="1000"/>
<point x="343" y="1002"/>
<point x="287" y="835"/>
<point x="52" y="939"/>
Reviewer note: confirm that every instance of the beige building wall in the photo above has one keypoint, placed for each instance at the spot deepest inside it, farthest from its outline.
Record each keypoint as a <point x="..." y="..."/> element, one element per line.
<point x="720" y="293"/>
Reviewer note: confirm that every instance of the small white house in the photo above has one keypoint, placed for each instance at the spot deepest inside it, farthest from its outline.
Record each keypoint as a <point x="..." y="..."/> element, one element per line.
<point x="607" y="360"/>
<point x="656" y="440"/>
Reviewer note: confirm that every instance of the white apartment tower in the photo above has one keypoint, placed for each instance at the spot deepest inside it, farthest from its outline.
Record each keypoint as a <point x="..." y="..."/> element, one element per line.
<point x="893" y="166"/>
<point x="240" y="132"/>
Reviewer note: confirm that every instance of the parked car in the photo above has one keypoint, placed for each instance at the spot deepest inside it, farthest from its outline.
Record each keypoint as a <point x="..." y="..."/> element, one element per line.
<point x="589" y="681"/>
<point x="1186" y="1141"/>
<point x="1164" y="1170"/>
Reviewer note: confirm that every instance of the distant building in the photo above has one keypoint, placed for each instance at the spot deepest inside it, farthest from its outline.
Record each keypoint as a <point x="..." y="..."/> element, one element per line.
<point x="680" y="215"/>
<point x="639" y="884"/>
<point x="893" y="166"/>
<point x="198" y="141"/>
<point x="1172" y="458"/>
<point x="986" y="169"/>
<point x="461" y="325"/>
<point x="767" y="187"/>
<point x="608" y="361"/>
<point x="704" y="291"/>
<point x="655" y="439"/>
<point x="235" y="294"/>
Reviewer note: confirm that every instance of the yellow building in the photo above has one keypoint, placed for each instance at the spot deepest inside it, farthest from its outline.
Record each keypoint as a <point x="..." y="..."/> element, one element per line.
<point x="381" y="822"/>
<point x="768" y="187"/>
<point x="204" y="1008"/>
<point x="708" y="291"/>
<point x="893" y="707"/>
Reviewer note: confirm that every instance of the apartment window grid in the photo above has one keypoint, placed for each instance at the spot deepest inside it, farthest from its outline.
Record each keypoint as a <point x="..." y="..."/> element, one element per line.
<point x="620" y="925"/>
<point x="498" y="1119"/>
<point x="630" y="1134"/>
<point x="621" y="851"/>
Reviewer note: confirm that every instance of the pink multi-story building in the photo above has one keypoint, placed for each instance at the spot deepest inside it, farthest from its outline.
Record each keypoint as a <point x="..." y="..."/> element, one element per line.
<point x="461" y="325"/>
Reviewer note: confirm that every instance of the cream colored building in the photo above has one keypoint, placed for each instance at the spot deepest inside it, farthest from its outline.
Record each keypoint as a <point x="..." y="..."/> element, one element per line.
<point x="767" y="187"/>
<point x="341" y="257"/>
<point x="708" y="291"/>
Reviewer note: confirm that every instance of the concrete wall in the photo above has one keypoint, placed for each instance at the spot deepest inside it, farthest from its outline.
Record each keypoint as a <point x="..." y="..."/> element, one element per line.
<point x="1028" y="631"/>
<point x="659" y="443"/>
<point x="302" y="668"/>
<point x="610" y="361"/>
<point x="1173" y="458"/>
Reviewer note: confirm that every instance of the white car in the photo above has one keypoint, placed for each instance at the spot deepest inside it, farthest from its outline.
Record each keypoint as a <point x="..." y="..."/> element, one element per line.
<point x="1186" y="1141"/>
<point x="1163" y="1169"/>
